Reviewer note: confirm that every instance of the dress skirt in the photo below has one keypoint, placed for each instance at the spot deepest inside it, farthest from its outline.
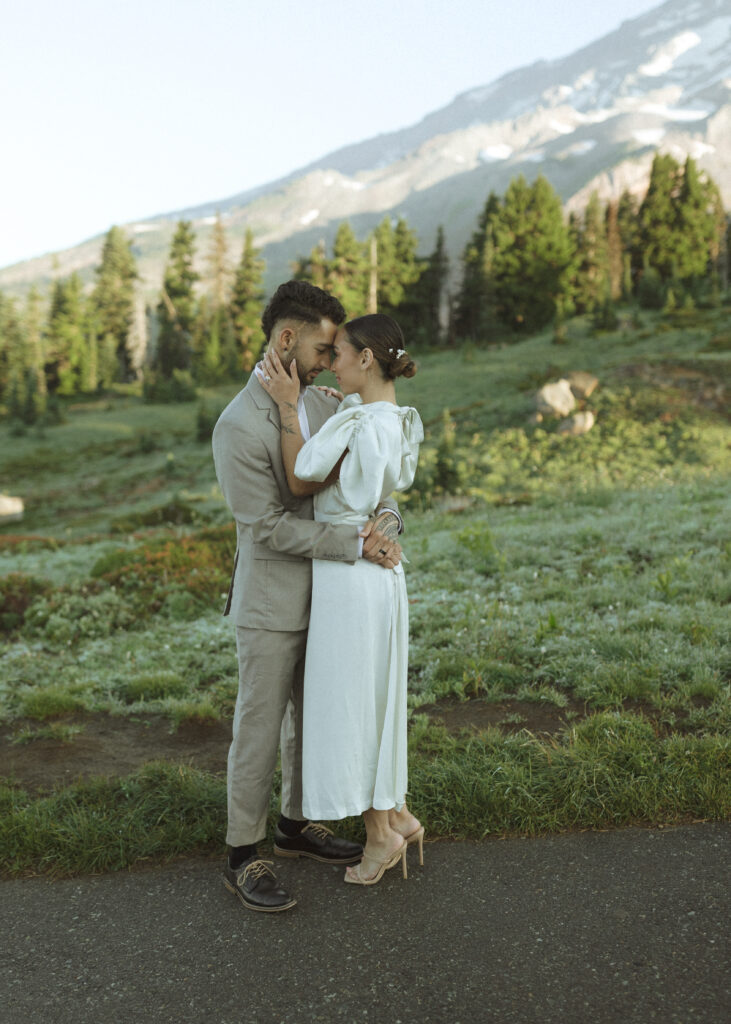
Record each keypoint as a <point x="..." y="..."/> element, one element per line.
<point x="354" y="753"/>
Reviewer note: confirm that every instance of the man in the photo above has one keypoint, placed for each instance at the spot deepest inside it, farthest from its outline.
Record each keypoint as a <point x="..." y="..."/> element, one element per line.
<point x="269" y="597"/>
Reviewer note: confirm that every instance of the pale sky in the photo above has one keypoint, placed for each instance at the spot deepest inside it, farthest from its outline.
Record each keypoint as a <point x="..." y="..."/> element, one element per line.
<point x="118" y="110"/>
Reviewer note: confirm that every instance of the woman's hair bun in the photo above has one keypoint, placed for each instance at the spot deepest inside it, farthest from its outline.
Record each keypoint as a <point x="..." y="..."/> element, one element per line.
<point x="382" y="335"/>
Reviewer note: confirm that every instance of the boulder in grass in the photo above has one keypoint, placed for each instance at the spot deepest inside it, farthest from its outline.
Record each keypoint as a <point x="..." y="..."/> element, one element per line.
<point x="555" y="399"/>
<point x="579" y="423"/>
<point x="11" y="509"/>
<point x="582" y="384"/>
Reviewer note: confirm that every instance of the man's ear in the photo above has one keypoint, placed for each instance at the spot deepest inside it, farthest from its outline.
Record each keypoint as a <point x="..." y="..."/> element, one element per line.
<point x="287" y="339"/>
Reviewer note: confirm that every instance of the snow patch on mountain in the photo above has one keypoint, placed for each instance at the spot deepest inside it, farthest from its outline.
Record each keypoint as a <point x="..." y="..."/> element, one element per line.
<point x="501" y="151"/>
<point x="308" y="217"/>
<point x="675" y="113"/>
<point x="663" y="57"/>
<point x="649" y="136"/>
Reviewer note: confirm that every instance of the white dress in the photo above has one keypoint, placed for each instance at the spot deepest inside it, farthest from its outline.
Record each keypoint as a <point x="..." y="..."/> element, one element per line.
<point x="354" y="728"/>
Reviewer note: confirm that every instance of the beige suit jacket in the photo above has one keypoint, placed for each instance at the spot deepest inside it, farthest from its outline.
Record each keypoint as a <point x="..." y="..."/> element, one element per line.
<point x="276" y="535"/>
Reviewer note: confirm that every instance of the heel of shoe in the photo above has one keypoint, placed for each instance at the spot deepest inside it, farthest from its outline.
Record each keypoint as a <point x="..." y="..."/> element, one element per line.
<point x="420" y="841"/>
<point x="418" y="837"/>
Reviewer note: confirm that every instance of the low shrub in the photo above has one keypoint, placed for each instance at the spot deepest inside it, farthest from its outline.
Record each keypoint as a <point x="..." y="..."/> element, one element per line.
<point x="50" y="701"/>
<point x="17" y="594"/>
<point x="174" y="513"/>
<point x="153" y="686"/>
<point x="180" y="387"/>
<point x="69" y="615"/>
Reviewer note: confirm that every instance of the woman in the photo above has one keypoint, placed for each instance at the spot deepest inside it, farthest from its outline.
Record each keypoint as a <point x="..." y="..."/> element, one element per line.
<point x="354" y="732"/>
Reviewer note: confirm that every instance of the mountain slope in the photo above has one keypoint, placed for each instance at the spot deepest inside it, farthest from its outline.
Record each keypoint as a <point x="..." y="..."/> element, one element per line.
<point x="591" y="120"/>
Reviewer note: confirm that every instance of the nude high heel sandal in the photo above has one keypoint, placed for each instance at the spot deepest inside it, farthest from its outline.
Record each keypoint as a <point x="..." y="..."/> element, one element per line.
<point x="355" y="876"/>
<point x="417" y="837"/>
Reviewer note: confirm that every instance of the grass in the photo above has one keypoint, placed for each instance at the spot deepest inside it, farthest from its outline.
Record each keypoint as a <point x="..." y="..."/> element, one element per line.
<point x="609" y="771"/>
<point x="581" y="573"/>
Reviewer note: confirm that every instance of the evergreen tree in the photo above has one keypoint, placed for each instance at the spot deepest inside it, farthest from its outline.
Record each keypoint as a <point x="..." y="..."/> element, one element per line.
<point x="533" y="256"/>
<point x="614" y="251"/>
<point x="13" y="360"/>
<point x="698" y="243"/>
<point x="347" y="277"/>
<point x="629" y="237"/>
<point x="312" y="268"/>
<point x="592" y="253"/>
<point x="112" y="300"/>
<point x="247" y="300"/>
<point x="433" y="290"/>
<point x="474" y="311"/>
<point x="218" y="264"/>
<point x="206" y="362"/>
<point x="388" y="287"/>
<point x="176" y="310"/>
<point x="34" y="358"/>
<point x="658" y="218"/>
<point x="68" y="337"/>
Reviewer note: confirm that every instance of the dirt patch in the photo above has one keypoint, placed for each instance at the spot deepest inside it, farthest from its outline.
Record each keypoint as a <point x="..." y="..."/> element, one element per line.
<point x="541" y="718"/>
<point x="700" y="386"/>
<point x="511" y="716"/>
<point x="111" y="746"/>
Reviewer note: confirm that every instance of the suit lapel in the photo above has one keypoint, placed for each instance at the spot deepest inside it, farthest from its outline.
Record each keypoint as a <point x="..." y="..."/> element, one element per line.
<point x="262" y="400"/>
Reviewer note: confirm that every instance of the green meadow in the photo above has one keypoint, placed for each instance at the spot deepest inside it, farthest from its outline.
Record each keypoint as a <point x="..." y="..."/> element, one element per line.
<point x="569" y="601"/>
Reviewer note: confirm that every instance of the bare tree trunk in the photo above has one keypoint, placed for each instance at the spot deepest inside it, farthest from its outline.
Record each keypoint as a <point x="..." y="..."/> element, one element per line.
<point x="373" y="284"/>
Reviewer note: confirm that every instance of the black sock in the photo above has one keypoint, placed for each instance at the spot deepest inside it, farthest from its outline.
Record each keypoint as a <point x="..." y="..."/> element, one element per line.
<point x="291" y="826"/>
<point x="238" y="854"/>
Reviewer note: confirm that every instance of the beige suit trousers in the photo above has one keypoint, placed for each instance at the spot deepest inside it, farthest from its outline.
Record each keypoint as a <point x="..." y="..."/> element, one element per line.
<point x="271" y="672"/>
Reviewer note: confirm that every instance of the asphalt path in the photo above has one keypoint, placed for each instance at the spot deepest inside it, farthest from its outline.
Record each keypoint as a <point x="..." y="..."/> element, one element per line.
<point x="628" y="926"/>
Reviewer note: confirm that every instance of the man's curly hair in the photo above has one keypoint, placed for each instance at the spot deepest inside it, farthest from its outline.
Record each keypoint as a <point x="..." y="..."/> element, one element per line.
<point x="300" y="300"/>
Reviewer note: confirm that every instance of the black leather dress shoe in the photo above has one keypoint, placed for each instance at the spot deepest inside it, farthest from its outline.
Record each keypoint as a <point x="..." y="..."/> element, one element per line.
<point x="319" y="843"/>
<point x="255" y="884"/>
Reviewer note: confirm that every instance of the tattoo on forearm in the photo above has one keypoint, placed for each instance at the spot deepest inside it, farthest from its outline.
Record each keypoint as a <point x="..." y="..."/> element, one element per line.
<point x="287" y="418"/>
<point x="388" y="526"/>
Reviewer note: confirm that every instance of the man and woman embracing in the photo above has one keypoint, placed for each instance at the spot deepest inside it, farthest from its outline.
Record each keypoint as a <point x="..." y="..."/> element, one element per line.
<point x="318" y="594"/>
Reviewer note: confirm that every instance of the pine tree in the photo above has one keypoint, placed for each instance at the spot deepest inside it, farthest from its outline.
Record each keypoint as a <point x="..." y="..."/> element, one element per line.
<point x="433" y="290"/>
<point x="533" y="256"/>
<point x="697" y="244"/>
<point x="112" y="300"/>
<point x="592" y="272"/>
<point x="474" y="313"/>
<point x="629" y="236"/>
<point x="247" y="300"/>
<point x="68" y="337"/>
<point x="218" y="264"/>
<point x="13" y="360"/>
<point x="347" y="277"/>
<point x="614" y="251"/>
<point x="388" y="287"/>
<point x="658" y="218"/>
<point x="176" y="310"/>
<point x="312" y="268"/>
<point x="34" y="356"/>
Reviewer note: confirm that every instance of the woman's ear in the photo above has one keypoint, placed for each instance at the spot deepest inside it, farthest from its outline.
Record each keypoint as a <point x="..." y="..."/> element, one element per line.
<point x="366" y="358"/>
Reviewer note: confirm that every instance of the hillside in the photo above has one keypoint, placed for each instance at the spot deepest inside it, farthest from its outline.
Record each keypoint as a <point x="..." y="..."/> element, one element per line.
<point x="568" y="606"/>
<point x="591" y="120"/>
